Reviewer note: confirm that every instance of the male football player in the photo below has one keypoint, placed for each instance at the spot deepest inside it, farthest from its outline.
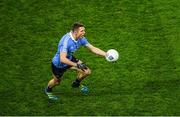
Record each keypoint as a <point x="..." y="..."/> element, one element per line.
<point x="64" y="58"/>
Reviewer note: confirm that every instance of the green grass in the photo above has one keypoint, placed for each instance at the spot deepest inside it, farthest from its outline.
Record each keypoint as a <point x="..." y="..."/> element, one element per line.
<point x="145" y="80"/>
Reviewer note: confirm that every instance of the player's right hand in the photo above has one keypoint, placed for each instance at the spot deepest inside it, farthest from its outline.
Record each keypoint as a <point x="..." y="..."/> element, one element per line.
<point x="81" y="66"/>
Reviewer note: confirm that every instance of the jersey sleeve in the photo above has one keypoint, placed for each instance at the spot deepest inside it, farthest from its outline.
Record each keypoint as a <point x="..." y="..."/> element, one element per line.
<point x="84" y="42"/>
<point x="63" y="47"/>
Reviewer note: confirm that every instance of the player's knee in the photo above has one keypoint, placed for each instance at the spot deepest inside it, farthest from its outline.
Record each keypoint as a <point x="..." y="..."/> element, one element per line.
<point x="88" y="72"/>
<point x="56" y="81"/>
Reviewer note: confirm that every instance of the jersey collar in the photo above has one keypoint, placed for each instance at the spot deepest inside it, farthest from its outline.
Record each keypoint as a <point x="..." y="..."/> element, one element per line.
<point x="72" y="36"/>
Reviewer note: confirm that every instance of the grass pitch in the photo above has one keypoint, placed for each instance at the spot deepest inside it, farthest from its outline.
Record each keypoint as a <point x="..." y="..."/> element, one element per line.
<point x="145" y="81"/>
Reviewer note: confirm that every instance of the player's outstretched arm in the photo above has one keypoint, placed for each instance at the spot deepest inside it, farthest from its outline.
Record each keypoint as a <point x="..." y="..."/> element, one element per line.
<point x="96" y="50"/>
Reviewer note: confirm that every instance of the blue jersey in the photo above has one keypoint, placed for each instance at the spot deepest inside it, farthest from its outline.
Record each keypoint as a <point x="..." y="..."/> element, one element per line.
<point x="69" y="45"/>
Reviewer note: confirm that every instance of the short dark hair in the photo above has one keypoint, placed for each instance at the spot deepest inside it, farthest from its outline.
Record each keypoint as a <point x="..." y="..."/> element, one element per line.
<point x="76" y="25"/>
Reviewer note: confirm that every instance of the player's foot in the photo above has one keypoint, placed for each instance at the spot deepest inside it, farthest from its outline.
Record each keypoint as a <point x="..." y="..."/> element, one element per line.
<point x="75" y="84"/>
<point x="84" y="89"/>
<point x="50" y="95"/>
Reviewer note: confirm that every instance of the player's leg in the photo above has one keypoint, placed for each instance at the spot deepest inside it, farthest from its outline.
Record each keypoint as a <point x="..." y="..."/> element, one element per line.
<point x="80" y="76"/>
<point x="48" y="90"/>
<point x="57" y="77"/>
<point x="52" y="83"/>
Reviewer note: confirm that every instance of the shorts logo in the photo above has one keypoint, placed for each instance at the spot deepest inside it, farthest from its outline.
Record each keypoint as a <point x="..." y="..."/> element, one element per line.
<point x="57" y="76"/>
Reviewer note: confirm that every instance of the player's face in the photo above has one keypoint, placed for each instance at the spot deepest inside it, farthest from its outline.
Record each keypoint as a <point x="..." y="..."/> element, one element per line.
<point x="80" y="32"/>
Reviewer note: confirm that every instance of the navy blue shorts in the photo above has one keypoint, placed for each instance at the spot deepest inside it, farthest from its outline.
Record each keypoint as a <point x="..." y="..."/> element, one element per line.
<point x="58" y="72"/>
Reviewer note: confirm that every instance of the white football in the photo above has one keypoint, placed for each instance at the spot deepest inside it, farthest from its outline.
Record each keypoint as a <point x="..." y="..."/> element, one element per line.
<point x="112" y="55"/>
